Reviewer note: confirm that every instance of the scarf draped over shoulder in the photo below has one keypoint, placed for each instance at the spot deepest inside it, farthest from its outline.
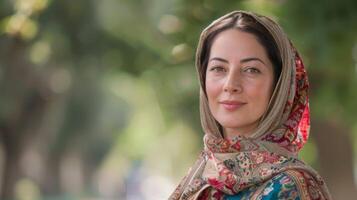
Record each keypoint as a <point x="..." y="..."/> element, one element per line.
<point x="228" y="166"/>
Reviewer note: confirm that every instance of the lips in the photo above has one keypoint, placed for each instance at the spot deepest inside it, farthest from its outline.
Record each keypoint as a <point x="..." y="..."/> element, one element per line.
<point x="232" y="105"/>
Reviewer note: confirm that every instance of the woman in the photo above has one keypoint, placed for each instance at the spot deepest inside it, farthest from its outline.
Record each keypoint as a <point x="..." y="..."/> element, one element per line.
<point x="255" y="113"/>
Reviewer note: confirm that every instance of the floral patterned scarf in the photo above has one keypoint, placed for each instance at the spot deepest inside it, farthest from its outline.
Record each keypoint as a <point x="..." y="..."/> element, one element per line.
<point x="228" y="166"/>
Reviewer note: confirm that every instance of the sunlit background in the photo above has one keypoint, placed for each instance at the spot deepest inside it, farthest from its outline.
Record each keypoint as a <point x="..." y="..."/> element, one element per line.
<point x="99" y="98"/>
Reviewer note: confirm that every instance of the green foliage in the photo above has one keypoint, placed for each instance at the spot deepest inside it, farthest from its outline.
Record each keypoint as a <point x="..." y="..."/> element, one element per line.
<point x="118" y="77"/>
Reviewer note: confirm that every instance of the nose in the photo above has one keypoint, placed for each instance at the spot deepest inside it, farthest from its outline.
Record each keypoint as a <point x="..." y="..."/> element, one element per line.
<point x="233" y="84"/>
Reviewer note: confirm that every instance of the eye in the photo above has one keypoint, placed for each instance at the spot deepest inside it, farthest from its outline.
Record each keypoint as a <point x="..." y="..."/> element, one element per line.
<point x="252" y="70"/>
<point x="217" y="69"/>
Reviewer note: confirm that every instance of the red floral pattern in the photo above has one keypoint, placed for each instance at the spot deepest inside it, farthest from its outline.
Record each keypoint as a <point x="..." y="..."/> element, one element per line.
<point x="298" y="124"/>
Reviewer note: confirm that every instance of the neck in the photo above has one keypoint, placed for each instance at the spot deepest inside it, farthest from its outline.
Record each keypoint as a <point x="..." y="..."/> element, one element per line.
<point x="230" y="133"/>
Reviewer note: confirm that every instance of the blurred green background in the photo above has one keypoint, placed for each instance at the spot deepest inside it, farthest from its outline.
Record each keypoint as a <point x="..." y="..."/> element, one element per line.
<point x="99" y="99"/>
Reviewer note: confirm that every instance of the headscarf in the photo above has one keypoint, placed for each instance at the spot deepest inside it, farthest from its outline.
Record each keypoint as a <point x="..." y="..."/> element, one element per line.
<point x="228" y="166"/>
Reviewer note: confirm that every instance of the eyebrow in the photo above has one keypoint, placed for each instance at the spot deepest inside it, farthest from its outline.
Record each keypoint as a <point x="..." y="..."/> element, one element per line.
<point x="241" y="61"/>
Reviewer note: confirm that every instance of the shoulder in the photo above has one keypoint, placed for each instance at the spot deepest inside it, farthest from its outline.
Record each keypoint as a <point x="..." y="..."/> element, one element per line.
<point x="281" y="186"/>
<point x="310" y="186"/>
<point x="292" y="184"/>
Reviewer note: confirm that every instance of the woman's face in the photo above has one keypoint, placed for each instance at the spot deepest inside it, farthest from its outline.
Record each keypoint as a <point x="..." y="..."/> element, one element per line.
<point x="239" y="81"/>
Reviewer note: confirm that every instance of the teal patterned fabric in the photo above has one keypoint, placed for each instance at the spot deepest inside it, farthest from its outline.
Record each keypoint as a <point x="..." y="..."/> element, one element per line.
<point x="280" y="187"/>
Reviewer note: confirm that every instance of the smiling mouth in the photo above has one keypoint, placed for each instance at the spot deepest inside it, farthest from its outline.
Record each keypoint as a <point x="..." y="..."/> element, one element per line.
<point x="232" y="105"/>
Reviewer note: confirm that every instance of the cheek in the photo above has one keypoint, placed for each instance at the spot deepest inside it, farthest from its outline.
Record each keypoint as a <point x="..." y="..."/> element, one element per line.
<point x="260" y="93"/>
<point x="212" y="89"/>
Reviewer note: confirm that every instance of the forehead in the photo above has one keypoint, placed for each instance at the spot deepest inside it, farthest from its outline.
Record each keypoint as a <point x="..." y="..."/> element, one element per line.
<point x="236" y="43"/>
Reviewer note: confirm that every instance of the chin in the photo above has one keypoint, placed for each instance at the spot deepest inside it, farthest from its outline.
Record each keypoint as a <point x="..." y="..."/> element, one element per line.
<point x="230" y="124"/>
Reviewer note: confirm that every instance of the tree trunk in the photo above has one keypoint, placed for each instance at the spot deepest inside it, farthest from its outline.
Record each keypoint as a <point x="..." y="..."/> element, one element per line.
<point x="11" y="167"/>
<point x="335" y="154"/>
